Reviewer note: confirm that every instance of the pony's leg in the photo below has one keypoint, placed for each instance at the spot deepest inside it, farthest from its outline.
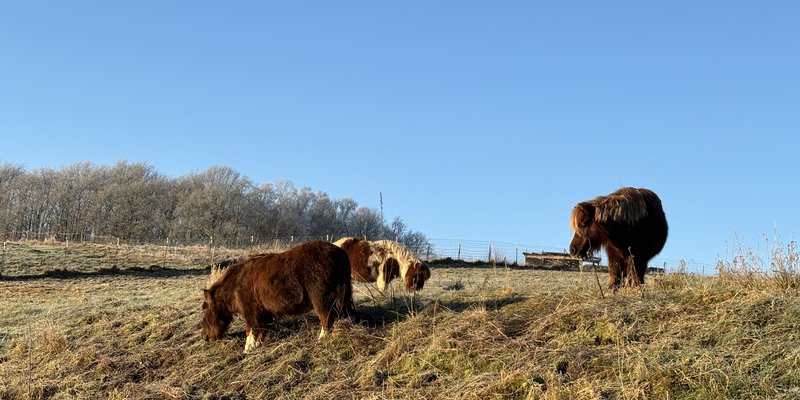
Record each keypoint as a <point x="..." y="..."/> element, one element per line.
<point x="252" y="342"/>
<point x="641" y="269"/>
<point x="324" y="308"/>
<point x="381" y="280"/>
<point x="255" y="331"/>
<point x="616" y="266"/>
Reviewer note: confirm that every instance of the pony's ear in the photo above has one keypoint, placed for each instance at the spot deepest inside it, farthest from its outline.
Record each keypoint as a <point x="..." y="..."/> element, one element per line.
<point x="588" y="209"/>
<point x="582" y="215"/>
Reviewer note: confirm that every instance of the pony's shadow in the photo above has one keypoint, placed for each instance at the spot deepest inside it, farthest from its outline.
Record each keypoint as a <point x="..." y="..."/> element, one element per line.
<point x="374" y="316"/>
<point x="402" y="308"/>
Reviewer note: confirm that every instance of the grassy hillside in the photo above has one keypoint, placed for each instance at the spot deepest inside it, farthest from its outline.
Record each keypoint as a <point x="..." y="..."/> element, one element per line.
<point x="474" y="332"/>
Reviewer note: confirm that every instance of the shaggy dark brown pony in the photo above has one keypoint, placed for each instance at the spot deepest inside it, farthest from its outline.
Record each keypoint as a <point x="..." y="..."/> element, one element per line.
<point x="629" y="223"/>
<point x="383" y="260"/>
<point x="314" y="275"/>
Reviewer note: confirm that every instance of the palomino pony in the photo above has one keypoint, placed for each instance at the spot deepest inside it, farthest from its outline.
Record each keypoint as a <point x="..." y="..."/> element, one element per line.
<point x="314" y="275"/>
<point x="383" y="260"/>
<point x="400" y="262"/>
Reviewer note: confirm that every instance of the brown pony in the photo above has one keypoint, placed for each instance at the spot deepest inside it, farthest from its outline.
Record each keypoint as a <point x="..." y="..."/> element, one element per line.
<point x="629" y="223"/>
<point x="383" y="260"/>
<point x="364" y="262"/>
<point x="314" y="275"/>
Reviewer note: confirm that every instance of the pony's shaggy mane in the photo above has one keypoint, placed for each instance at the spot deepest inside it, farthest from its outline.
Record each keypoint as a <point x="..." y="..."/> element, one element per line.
<point x="345" y="240"/>
<point x="218" y="272"/>
<point x="625" y="206"/>
<point x="574" y="220"/>
<point x="221" y="268"/>
<point x="403" y="256"/>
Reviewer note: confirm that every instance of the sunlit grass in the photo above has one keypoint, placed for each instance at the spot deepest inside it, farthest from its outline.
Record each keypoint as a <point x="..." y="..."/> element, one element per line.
<point x="473" y="332"/>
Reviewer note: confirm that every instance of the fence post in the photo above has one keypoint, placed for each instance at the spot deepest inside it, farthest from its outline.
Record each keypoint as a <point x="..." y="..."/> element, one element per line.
<point x="166" y="249"/>
<point x="458" y="257"/>
<point x="211" y="251"/>
<point x="490" y="252"/>
<point x="516" y="253"/>
<point x="427" y="254"/>
<point x="3" y="263"/>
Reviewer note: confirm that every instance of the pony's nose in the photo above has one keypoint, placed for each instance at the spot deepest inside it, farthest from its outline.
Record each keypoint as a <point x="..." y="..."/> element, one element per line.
<point x="573" y="251"/>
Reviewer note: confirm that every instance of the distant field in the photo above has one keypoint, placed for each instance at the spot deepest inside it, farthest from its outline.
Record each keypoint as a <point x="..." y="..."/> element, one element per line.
<point x="99" y="322"/>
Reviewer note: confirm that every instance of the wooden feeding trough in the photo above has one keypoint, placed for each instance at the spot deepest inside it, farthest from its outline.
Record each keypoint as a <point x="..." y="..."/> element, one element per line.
<point x="554" y="260"/>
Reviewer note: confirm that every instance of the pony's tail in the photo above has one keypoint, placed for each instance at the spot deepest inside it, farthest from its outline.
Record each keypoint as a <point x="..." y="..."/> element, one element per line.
<point x="344" y="300"/>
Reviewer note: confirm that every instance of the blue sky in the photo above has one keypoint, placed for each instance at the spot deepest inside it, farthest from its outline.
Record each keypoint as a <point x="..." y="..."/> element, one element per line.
<point x="475" y="120"/>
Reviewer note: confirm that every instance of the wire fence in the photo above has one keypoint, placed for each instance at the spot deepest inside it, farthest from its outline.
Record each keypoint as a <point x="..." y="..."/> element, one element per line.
<point x="113" y="252"/>
<point x="513" y="253"/>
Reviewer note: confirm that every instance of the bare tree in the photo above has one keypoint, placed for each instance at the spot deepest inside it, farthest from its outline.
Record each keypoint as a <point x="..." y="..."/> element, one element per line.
<point x="261" y="215"/>
<point x="76" y="199"/>
<point x="321" y="216"/>
<point x="366" y="222"/>
<point x="133" y="201"/>
<point x="10" y="196"/>
<point x="130" y="202"/>
<point x="37" y="208"/>
<point x="215" y="203"/>
<point x="344" y="209"/>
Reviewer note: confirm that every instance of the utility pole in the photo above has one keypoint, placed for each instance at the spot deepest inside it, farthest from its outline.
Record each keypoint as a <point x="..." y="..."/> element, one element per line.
<point x="380" y="194"/>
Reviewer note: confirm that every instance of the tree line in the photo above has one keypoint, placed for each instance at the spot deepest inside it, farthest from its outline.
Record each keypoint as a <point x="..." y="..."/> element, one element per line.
<point x="134" y="202"/>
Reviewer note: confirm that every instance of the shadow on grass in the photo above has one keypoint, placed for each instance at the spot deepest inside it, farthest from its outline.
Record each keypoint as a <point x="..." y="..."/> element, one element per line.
<point x="375" y="317"/>
<point x="152" y="271"/>
<point x="404" y="307"/>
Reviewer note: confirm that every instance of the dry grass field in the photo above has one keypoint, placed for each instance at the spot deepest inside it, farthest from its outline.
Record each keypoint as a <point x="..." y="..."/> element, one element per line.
<point x="93" y="322"/>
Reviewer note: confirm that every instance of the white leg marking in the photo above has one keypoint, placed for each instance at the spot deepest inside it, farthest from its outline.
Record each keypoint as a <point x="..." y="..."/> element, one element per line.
<point x="322" y="334"/>
<point x="250" y="344"/>
<point x="381" y="282"/>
